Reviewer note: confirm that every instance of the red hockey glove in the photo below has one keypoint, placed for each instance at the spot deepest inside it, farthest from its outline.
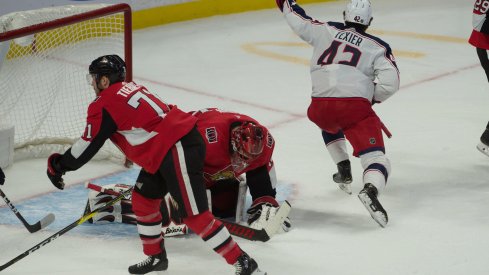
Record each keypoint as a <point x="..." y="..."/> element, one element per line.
<point x="55" y="173"/>
<point x="2" y="177"/>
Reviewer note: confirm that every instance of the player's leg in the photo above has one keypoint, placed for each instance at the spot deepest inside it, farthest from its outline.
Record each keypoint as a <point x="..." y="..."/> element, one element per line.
<point x="183" y="171"/>
<point x="368" y="144"/>
<point x="483" y="145"/>
<point x="324" y="113"/>
<point x="146" y="199"/>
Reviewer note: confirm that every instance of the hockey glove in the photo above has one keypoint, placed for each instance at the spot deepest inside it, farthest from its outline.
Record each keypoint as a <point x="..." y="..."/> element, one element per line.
<point x="55" y="172"/>
<point x="258" y="207"/>
<point x="2" y="177"/>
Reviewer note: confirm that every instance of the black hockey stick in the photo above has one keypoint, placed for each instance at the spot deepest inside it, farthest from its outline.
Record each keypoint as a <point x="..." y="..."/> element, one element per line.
<point x="235" y="229"/>
<point x="31" y="227"/>
<point x="81" y="220"/>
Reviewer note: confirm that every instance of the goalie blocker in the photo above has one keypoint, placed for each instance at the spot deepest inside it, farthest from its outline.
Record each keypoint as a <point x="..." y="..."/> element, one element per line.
<point x="172" y="225"/>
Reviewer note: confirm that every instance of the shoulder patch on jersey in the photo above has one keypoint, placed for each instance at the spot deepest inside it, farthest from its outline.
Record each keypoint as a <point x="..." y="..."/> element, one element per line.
<point x="211" y="134"/>
<point x="270" y="140"/>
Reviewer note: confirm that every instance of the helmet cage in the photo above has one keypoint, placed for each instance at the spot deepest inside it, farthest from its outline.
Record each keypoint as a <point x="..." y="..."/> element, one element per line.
<point x="248" y="140"/>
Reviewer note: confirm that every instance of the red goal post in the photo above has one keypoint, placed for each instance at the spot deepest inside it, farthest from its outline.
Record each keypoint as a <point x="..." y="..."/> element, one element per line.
<point x="44" y="58"/>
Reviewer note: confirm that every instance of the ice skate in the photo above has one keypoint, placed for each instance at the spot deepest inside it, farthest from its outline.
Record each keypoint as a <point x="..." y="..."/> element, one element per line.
<point x="157" y="262"/>
<point x="343" y="177"/>
<point x="484" y="140"/>
<point x="483" y="148"/>
<point x="368" y="196"/>
<point x="247" y="266"/>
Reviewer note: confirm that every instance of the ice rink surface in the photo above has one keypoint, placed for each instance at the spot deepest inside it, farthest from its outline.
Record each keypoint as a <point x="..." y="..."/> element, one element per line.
<point x="437" y="196"/>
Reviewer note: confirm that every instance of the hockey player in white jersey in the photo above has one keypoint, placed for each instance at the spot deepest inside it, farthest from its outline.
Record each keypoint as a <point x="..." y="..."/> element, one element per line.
<point x="350" y="71"/>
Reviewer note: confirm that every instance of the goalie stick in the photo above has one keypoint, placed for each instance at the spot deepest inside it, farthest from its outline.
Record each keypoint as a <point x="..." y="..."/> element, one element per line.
<point x="235" y="229"/>
<point x="31" y="227"/>
<point x="81" y="220"/>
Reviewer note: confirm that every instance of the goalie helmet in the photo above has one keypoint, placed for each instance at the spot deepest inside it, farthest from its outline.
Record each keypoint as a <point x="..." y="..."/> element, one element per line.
<point x="359" y="11"/>
<point x="247" y="140"/>
<point x="111" y="66"/>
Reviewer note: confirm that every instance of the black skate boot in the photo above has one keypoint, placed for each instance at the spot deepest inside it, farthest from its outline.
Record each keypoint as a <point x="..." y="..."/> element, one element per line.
<point x="483" y="145"/>
<point x="247" y="266"/>
<point x="368" y="196"/>
<point x="157" y="262"/>
<point x="343" y="178"/>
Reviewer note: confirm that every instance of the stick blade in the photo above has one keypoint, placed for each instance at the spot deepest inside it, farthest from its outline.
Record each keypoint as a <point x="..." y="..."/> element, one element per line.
<point x="40" y="224"/>
<point x="49" y="219"/>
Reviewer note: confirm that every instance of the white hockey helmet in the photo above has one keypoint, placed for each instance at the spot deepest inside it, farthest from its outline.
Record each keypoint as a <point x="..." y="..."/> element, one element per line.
<point x="359" y="11"/>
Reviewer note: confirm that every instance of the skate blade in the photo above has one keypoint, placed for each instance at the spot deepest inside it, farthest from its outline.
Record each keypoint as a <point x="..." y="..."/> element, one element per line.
<point x="378" y="216"/>
<point x="345" y="187"/>
<point x="483" y="149"/>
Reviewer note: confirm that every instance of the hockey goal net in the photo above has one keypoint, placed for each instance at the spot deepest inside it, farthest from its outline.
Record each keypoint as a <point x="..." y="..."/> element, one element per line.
<point x="44" y="58"/>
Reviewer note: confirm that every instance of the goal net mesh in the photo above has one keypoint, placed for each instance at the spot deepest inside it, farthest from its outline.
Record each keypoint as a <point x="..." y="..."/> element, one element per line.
<point x="44" y="91"/>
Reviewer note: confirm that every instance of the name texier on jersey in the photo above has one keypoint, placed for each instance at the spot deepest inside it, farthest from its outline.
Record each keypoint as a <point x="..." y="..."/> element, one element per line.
<point x="345" y="62"/>
<point x="142" y="126"/>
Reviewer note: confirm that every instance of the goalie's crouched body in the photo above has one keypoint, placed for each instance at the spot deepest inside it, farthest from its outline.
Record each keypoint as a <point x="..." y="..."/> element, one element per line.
<point x="236" y="145"/>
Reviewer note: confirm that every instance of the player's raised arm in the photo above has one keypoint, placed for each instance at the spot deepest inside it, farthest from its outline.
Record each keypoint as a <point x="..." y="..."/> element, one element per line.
<point x="301" y="23"/>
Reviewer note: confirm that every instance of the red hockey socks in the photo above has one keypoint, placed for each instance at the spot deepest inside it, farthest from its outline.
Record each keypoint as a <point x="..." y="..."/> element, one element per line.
<point x="215" y="234"/>
<point x="148" y="217"/>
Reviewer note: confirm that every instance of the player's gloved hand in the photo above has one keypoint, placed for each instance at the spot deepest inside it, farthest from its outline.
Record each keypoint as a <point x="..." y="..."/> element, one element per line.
<point x="261" y="211"/>
<point x="55" y="173"/>
<point x="2" y="177"/>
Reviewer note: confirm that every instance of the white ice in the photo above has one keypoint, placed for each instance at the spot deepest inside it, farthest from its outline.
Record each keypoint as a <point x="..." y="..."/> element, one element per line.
<point x="437" y="196"/>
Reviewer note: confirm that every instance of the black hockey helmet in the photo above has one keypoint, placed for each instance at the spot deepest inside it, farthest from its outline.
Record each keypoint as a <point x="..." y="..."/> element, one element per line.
<point x="111" y="66"/>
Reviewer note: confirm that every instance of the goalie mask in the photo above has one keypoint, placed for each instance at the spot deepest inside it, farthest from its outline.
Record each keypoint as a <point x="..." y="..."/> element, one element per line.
<point x="358" y="11"/>
<point x="247" y="140"/>
<point x="111" y="66"/>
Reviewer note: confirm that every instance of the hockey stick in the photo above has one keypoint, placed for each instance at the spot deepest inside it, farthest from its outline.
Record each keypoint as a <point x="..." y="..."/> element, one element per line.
<point x="31" y="227"/>
<point x="81" y="220"/>
<point x="235" y="229"/>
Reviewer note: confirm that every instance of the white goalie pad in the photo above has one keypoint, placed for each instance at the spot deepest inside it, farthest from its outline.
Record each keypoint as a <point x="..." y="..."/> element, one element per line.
<point x="121" y="212"/>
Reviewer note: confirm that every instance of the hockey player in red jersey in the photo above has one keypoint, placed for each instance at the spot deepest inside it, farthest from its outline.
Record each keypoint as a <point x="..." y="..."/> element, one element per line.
<point x="480" y="40"/>
<point x="164" y="141"/>
<point x="350" y="70"/>
<point x="237" y="144"/>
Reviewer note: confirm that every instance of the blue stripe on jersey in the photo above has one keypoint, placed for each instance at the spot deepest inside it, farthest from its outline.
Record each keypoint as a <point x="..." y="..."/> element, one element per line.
<point x="328" y="137"/>
<point x="380" y="167"/>
<point x="297" y="9"/>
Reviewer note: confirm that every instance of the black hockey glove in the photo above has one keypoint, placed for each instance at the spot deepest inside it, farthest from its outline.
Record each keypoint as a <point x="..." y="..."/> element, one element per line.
<point x="2" y="177"/>
<point x="55" y="173"/>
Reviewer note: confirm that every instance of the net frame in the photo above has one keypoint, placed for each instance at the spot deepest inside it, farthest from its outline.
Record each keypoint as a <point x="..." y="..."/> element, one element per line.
<point x="42" y="147"/>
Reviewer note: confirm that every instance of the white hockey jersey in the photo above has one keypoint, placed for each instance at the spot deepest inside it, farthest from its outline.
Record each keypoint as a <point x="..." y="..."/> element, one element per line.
<point x="345" y="62"/>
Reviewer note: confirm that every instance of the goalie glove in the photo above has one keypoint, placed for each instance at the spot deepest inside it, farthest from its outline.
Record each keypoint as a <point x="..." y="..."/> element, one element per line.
<point x="262" y="211"/>
<point x="55" y="173"/>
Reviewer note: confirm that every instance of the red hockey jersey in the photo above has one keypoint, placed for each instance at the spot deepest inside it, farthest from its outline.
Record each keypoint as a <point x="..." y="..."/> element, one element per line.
<point x="215" y="127"/>
<point x="480" y="35"/>
<point x="140" y="124"/>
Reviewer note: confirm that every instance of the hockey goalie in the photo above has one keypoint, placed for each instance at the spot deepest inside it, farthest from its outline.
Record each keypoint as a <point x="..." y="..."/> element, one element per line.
<point x="238" y="157"/>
